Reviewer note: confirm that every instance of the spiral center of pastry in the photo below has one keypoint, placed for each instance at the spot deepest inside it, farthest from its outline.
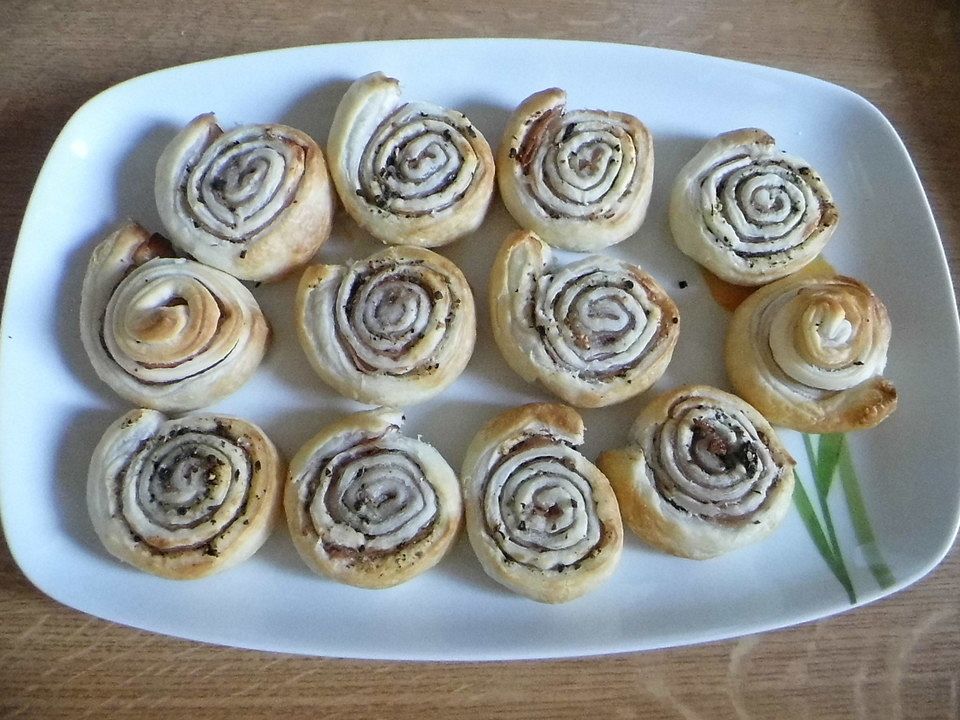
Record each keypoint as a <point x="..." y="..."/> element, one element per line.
<point x="600" y="317"/>
<point x="394" y="309"/>
<point x="184" y="489"/>
<point x="827" y="339"/>
<point x="766" y="200"/>
<point x="162" y="324"/>
<point x="759" y="207"/>
<point x="394" y="318"/>
<point x="184" y="482"/>
<point x="419" y="161"/>
<point x="591" y="161"/>
<point x="539" y="508"/>
<point x="371" y="498"/>
<point x="710" y="462"/>
<point x="242" y="181"/>
<point x="597" y="321"/>
<point x="581" y="164"/>
<point x="174" y="321"/>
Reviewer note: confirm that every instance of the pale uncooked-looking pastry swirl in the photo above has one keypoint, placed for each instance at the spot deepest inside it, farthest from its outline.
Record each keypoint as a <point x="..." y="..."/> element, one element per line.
<point x="703" y="473"/>
<point x="747" y="211"/>
<point x="808" y="352"/>
<point x="580" y="179"/>
<point x="369" y="506"/>
<point x="255" y="202"/>
<point x="594" y="332"/>
<point x="164" y="332"/>
<point x="183" y="498"/>
<point x="408" y="173"/>
<point x="542" y="520"/>
<point x="395" y="328"/>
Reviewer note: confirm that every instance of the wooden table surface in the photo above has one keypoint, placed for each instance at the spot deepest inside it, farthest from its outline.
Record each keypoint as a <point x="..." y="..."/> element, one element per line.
<point x="899" y="657"/>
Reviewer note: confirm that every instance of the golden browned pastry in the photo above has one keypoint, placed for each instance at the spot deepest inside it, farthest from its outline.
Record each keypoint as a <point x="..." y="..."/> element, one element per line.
<point x="809" y="353"/>
<point x="183" y="498"/>
<point x="580" y="179"/>
<point x="542" y="520"/>
<point x="702" y="474"/>
<point x="594" y="332"/>
<point x="255" y="202"/>
<point x="749" y="212"/>
<point x="408" y="173"/>
<point x="164" y="332"/>
<point x="393" y="329"/>
<point x="368" y="506"/>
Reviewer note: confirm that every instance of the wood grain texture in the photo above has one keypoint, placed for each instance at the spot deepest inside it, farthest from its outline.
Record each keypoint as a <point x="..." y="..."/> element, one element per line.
<point x="896" y="658"/>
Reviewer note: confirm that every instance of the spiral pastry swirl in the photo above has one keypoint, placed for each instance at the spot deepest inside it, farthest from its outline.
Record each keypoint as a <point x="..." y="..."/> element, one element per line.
<point x="703" y="473"/>
<point x="397" y="327"/>
<point x="542" y="520"/>
<point x="183" y="498"/>
<point x="748" y="212"/>
<point x="809" y="353"/>
<point x="166" y="333"/>
<point x="368" y="506"/>
<point x="408" y="173"/>
<point x="254" y="202"/>
<point x="581" y="179"/>
<point x="594" y="332"/>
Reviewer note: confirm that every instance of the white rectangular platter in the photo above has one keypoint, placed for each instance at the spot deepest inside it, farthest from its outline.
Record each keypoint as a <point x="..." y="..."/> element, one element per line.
<point x="100" y="171"/>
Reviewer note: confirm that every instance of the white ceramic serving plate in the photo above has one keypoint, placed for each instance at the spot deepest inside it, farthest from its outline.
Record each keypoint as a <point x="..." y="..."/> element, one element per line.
<point x="100" y="170"/>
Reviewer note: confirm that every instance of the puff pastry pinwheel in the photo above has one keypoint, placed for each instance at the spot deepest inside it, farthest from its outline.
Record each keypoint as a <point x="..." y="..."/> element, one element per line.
<point x="184" y="498"/>
<point x="703" y="473"/>
<point x="164" y="332"/>
<point x="542" y="520"/>
<point x="408" y="173"/>
<point x="594" y="332"/>
<point x="580" y="179"/>
<point x="747" y="211"/>
<point x="255" y="201"/>
<point x="393" y="329"/>
<point x="808" y="352"/>
<point x="368" y="506"/>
